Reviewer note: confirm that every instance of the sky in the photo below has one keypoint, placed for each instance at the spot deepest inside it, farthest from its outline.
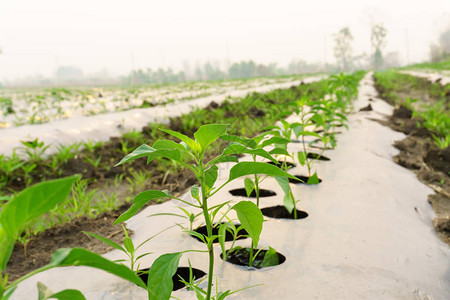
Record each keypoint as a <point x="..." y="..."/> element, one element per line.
<point x="117" y="36"/>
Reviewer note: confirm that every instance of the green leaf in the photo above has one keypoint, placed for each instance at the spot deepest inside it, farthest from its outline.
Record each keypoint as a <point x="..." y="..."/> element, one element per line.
<point x="301" y="157"/>
<point x="275" y="140"/>
<point x="211" y="176"/>
<point x="288" y="200"/>
<point x="106" y="241"/>
<point x="251" y="219"/>
<point x="160" y="284"/>
<point x="314" y="179"/>
<point x="309" y="133"/>
<point x="190" y="142"/>
<point x="270" y="258"/>
<point x="196" y="234"/>
<point x="128" y="243"/>
<point x="247" y="168"/>
<point x="195" y="192"/>
<point x="141" y="151"/>
<point x="68" y="294"/>
<point x="33" y="202"/>
<point x="207" y="134"/>
<point x="297" y="130"/>
<point x="239" y="139"/>
<point x="279" y="151"/>
<point x="240" y="149"/>
<point x="249" y="186"/>
<point x="316" y="118"/>
<point x="139" y="201"/>
<point x="81" y="257"/>
<point x="222" y="159"/>
<point x="222" y="235"/>
<point x="27" y="205"/>
<point x="168" y="144"/>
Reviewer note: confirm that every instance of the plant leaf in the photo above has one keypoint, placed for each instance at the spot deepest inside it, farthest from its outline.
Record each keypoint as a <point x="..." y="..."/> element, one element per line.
<point x="160" y="283"/>
<point x="139" y="201"/>
<point x="222" y="159"/>
<point x="141" y="151"/>
<point x="249" y="186"/>
<point x="251" y="219"/>
<point x="81" y="257"/>
<point x="211" y="176"/>
<point x="301" y="157"/>
<point x="190" y="142"/>
<point x="207" y="134"/>
<point x="275" y="140"/>
<point x="247" y="168"/>
<point x="288" y="199"/>
<point x="106" y="241"/>
<point x="27" y="205"/>
<point x="271" y="258"/>
<point x="314" y="179"/>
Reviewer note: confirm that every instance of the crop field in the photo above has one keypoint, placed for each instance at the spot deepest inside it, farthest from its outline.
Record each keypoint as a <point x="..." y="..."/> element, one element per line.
<point x="297" y="175"/>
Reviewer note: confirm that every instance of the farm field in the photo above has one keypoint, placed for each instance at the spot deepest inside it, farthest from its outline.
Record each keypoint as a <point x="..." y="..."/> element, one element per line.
<point x="347" y="151"/>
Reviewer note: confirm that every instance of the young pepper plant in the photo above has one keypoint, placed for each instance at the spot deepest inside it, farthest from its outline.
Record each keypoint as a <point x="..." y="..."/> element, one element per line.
<point x="190" y="153"/>
<point x="255" y="147"/>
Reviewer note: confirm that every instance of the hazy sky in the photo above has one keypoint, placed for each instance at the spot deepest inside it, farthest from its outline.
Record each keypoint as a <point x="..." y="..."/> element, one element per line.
<point x="38" y="35"/>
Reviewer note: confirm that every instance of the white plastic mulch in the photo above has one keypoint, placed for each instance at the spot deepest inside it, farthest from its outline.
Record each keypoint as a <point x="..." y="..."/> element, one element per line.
<point x="369" y="233"/>
<point x="104" y="126"/>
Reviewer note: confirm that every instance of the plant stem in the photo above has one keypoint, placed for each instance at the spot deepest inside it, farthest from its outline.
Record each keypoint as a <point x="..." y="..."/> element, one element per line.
<point x="257" y="190"/>
<point x="250" y="263"/>
<point x="293" y="200"/>
<point x="209" y="231"/>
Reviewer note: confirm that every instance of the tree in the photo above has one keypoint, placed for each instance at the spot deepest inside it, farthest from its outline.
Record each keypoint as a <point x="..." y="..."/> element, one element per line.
<point x="441" y="51"/>
<point x="378" y="40"/>
<point x="343" y="49"/>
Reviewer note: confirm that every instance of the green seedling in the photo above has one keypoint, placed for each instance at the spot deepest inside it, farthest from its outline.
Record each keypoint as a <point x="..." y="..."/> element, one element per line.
<point x="255" y="147"/>
<point x="128" y="248"/>
<point x="190" y="153"/>
<point x="252" y="220"/>
<point x="34" y="149"/>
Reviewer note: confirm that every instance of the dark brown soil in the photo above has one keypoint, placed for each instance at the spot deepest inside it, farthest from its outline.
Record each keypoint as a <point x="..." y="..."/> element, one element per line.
<point x="242" y="234"/>
<point x="262" y="193"/>
<point x="431" y="164"/>
<point x="183" y="272"/>
<point x="280" y="163"/>
<point x="304" y="180"/>
<point x="241" y="257"/>
<point x="280" y="212"/>
<point x="42" y="246"/>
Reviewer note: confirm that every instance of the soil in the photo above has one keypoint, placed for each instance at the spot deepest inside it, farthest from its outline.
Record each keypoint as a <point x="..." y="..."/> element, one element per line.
<point x="183" y="272"/>
<point x="41" y="247"/>
<point x="242" y="234"/>
<point x="304" y="180"/>
<point x="316" y="156"/>
<point x="241" y="257"/>
<point x="431" y="164"/>
<point x="280" y="212"/>
<point x="262" y="193"/>
<point x="367" y="108"/>
<point x="288" y="164"/>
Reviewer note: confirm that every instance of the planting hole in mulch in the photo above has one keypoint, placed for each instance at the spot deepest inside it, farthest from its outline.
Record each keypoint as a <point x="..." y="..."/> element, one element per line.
<point x="280" y="212"/>
<point x="280" y="163"/>
<point x="228" y="236"/>
<point x="304" y="180"/>
<point x="182" y="272"/>
<point x="312" y="145"/>
<point x="316" y="156"/>
<point x="241" y="257"/>
<point x="262" y="193"/>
